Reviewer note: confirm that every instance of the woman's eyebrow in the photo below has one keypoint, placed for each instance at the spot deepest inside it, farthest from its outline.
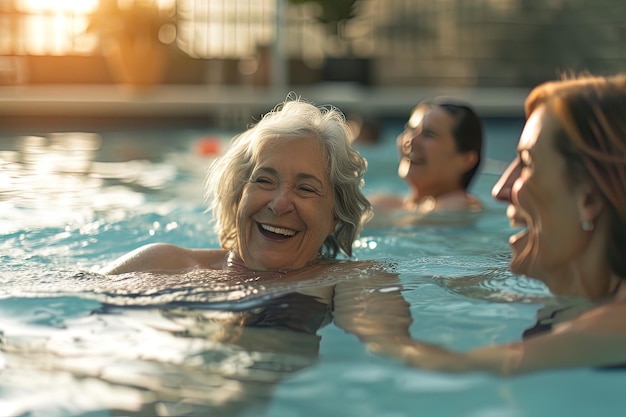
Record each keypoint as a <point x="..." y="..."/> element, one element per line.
<point x="427" y="130"/>
<point x="299" y="176"/>
<point x="305" y="176"/>
<point x="268" y="170"/>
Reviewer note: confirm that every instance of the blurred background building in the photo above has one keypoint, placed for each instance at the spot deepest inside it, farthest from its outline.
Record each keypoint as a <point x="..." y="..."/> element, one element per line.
<point x="227" y="58"/>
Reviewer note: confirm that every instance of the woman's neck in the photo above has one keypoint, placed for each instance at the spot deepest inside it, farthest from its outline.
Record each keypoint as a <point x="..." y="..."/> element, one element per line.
<point x="236" y="262"/>
<point x="455" y="200"/>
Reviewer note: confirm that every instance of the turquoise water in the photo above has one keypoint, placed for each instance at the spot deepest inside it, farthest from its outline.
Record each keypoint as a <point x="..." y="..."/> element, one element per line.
<point x="78" y="344"/>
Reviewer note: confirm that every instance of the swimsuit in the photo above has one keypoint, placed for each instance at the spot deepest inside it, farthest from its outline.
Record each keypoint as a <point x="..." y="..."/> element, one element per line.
<point x="295" y="311"/>
<point x="545" y="324"/>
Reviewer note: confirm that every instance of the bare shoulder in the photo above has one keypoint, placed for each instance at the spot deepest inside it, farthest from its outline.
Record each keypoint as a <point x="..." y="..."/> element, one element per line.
<point x="607" y="318"/>
<point x="163" y="257"/>
<point x="458" y="202"/>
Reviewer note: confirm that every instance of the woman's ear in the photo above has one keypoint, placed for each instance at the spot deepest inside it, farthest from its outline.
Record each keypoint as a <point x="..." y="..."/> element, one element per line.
<point x="469" y="159"/>
<point x="590" y="204"/>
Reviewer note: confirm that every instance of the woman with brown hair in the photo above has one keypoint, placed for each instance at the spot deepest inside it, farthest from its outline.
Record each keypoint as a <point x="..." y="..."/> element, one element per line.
<point x="440" y="152"/>
<point x="566" y="190"/>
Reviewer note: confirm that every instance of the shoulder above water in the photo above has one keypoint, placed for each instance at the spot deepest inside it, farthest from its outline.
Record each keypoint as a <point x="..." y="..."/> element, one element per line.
<point x="450" y="210"/>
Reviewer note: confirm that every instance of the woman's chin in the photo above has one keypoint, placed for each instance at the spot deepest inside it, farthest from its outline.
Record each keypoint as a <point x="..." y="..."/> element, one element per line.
<point x="520" y="252"/>
<point x="519" y="239"/>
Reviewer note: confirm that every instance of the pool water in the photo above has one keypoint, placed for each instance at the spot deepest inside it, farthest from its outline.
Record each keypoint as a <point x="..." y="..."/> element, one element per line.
<point x="74" y="343"/>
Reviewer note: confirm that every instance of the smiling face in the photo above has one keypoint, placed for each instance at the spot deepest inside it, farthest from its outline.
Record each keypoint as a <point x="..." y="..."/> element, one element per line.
<point x="545" y="205"/>
<point x="429" y="159"/>
<point x="287" y="207"/>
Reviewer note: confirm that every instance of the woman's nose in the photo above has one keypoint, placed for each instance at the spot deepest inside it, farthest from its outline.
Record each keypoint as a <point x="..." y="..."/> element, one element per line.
<point x="405" y="141"/>
<point x="282" y="202"/>
<point x="502" y="189"/>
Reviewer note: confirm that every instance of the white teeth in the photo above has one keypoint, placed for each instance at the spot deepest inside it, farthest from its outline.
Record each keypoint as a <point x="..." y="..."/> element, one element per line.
<point x="278" y="230"/>
<point x="518" y="236"/>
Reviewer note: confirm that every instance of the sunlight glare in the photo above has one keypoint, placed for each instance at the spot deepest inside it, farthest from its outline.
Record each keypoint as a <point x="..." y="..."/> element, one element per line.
<point x="71" y="6"/>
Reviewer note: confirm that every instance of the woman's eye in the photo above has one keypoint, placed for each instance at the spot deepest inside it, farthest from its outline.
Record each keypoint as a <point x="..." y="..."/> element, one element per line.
<point x="261" y="180"/>
<point x="308" y="189"/>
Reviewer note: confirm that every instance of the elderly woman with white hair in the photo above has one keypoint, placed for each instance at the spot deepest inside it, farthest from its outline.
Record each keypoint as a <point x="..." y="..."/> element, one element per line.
<point x="287" y="202"/>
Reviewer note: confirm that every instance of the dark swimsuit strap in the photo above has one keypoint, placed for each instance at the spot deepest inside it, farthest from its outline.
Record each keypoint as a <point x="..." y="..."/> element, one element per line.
<point x="545" y="324"/>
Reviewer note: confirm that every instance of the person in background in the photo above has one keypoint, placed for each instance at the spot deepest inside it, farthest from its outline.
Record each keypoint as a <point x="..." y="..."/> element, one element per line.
<point x="440" y="152"/>
<point x="566" y="191"/>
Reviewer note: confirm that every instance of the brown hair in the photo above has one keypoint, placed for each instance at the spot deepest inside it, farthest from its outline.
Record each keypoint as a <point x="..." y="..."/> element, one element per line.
<point x="467" y="130"/>
<point x="591" y="111"/>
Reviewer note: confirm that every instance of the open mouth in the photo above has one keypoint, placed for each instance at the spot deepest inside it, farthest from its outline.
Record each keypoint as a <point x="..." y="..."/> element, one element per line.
<point x="276" y="233"/>
<point x="516" y="222"/>
<point x="405" y="165"/>
<point x="517" y="236"/>
<point x="414" y="158"/>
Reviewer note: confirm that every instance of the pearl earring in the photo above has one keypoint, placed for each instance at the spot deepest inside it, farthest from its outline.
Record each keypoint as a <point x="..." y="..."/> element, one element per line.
<point x="587" y="226"/>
